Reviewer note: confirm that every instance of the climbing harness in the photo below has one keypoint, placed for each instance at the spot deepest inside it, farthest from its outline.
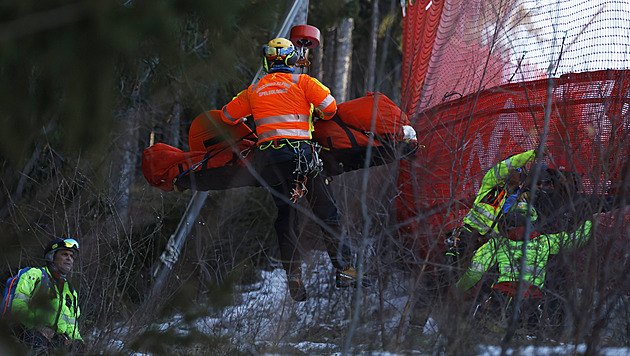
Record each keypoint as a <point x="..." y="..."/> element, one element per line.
<point x="303" y="165"/>
<point x="303" y="168"/>
<point x="299" y="190"/>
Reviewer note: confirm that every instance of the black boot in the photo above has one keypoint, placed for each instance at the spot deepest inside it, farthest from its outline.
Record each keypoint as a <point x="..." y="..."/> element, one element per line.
<point x="349" y="278"/>
<point x="296" y="288"/>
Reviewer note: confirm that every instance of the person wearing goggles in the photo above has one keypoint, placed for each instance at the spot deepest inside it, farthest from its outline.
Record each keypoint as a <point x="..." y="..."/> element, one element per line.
<point x="282" y="104"/>
<point x="44" y="309"/>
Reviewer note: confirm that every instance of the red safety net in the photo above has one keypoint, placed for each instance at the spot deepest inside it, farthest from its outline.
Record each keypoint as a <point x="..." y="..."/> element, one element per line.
<point x="463" y="46"/>
<point x="479" y="76"/>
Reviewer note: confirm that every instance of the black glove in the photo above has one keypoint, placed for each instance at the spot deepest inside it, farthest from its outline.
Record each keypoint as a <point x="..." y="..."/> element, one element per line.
<point x="456" y="248"/>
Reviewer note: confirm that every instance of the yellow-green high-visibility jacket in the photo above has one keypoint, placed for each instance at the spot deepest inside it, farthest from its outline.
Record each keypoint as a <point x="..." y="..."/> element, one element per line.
<point x="36" y="305"/>
<point x="508" y="255"/>
<point x="492" y="194"/>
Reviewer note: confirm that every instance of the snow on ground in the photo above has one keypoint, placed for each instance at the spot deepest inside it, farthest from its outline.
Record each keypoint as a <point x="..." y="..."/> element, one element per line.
<point x="268" y="315"/>
<point x="264" y="317"/>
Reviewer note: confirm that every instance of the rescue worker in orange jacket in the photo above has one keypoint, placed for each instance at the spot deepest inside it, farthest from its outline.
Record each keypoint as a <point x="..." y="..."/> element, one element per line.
<point x="282" y="105"/>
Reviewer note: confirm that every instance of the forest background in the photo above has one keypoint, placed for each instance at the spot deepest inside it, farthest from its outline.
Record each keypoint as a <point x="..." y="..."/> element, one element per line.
<point x="87" y="85"/>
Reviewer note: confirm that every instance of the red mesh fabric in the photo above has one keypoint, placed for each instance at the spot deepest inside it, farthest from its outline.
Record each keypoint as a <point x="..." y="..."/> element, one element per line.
<point x="463" y="46"/>
<point x="587" y="134"/>
<point x="475" y="88"/>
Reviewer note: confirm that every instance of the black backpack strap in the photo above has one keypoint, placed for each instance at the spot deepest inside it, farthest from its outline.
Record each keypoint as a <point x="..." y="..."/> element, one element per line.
<point x="234" y="160"/>
<point x="346" y="128"/>
<point x="329" y="141"/>
<point x="383" y="139"/>
<point x="212" y="141"/>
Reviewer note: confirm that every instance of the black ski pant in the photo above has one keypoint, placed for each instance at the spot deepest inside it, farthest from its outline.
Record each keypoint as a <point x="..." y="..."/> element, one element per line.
<point x="499" y="309"/>
<point x="277" y="166"/>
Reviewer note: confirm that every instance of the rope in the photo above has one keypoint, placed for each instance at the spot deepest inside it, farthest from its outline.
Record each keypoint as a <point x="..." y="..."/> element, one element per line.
<point x="170" y="254"/>
<point x="303" y="168"/>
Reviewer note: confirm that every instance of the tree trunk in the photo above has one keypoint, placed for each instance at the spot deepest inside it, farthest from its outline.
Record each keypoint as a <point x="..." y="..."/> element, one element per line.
<point x="173" y="126"/>
<point x="371" y="55"/>
<point x="317" y="60"/>
<point x="343" y="58"/>
<point x="124" y="164"/>
<point x="328" y="61"/>
<point x="396" y="95"/>
<point x="125" y="147"/>
<point x="385" y="47"/>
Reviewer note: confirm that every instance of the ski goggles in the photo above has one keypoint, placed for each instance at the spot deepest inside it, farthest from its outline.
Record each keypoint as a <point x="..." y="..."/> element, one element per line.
<point x="273" y="52"/>
<point x="66" y="243"/>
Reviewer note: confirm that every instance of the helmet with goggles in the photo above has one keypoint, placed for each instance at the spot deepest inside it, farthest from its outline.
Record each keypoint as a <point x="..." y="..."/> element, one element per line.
<point x="60" y="244"/>
<point x="279" y="53"/>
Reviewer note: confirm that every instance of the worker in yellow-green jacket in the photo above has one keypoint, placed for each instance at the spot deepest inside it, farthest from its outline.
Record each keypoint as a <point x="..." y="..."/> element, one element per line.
<point x="519" y="254"/>
<point x="479" y="224"/>
<point x="42" y="305"/>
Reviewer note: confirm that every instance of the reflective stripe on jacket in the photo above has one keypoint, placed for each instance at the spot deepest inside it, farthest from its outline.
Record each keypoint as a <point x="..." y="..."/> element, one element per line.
<point x="507" y="254"/>
<point x="281" y="105"/>
<point x="30" y="311"/>
<point x="492" y="195"/>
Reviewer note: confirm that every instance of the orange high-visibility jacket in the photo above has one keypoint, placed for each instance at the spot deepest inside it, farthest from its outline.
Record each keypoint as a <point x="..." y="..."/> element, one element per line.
<point x="281" y="105"/>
